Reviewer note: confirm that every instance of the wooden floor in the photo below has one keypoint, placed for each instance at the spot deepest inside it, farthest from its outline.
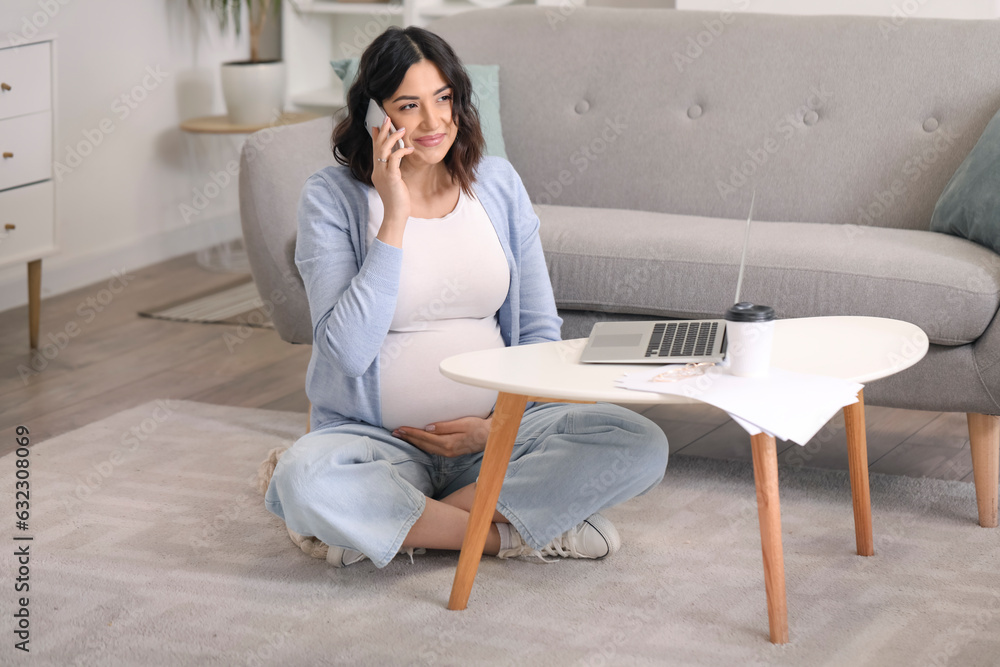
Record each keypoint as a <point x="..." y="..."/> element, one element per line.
<point x="99" y="357"/>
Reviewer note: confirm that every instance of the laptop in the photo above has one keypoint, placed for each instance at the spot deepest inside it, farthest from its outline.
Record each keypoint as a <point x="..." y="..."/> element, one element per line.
<point x="663" y="341"/>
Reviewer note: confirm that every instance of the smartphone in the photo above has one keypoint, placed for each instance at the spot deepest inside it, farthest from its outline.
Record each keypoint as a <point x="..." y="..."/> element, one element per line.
<point x="376" y="116"/>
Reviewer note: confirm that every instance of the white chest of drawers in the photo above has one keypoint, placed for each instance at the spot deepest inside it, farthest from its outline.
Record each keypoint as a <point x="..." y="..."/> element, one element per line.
<point x="27" y="189"/>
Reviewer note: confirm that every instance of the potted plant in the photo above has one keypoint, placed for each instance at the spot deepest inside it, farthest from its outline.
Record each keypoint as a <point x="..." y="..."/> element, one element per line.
<point x="254" y="89"/>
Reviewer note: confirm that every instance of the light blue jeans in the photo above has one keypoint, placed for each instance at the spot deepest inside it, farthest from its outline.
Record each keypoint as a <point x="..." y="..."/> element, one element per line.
<point x="359" y="487"/>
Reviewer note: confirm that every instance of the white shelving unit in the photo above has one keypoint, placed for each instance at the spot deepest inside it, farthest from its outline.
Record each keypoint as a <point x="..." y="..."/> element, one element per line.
<point x="28" y="221"/>
<point x="314" y="32"/>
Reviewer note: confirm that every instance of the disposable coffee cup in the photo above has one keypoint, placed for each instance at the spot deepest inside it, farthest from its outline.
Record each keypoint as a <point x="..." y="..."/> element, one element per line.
<point x="749" y="334"/>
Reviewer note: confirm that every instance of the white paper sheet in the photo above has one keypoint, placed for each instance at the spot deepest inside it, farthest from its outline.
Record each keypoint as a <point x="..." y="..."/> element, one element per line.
<point x="788" y="405"/>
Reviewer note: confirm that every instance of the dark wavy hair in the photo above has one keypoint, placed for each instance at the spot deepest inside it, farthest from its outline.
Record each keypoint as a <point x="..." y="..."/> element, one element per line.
<point x="380" y="73"/>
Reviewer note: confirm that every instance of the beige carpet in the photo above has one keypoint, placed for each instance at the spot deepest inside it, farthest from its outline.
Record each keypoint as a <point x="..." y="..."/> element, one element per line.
<point x="152" y="547"/>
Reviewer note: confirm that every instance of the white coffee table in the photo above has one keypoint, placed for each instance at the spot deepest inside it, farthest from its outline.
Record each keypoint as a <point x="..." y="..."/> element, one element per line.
<point x="860" y="349"/>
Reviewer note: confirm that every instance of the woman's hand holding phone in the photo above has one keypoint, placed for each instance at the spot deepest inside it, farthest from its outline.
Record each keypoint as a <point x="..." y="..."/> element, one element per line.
<point x="388" y="182"/>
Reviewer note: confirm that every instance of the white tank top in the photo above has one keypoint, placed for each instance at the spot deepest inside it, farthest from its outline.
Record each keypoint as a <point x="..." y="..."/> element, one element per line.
<point x="453" y="281"/>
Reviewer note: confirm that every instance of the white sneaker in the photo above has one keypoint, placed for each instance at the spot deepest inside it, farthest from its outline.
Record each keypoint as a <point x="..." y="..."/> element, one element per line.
<point x="312" y="546"/>
<point x="341" y="557"/>
<point x="337" y="556"/>
<point x="594" y="537"/>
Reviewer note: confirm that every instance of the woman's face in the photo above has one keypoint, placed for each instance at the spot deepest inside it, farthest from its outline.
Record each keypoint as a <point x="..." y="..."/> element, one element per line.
<point x="423" y="106"/>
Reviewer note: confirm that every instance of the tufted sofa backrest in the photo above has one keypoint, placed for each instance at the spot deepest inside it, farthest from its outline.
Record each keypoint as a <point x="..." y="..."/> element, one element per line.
<point x="835" y="119"/>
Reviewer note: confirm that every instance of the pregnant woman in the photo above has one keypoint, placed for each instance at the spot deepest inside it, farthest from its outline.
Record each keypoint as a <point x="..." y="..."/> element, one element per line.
<point x="411" y="255"/>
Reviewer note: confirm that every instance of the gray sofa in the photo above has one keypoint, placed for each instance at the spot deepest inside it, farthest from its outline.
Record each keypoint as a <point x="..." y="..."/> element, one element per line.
<point x="640" y="135"/>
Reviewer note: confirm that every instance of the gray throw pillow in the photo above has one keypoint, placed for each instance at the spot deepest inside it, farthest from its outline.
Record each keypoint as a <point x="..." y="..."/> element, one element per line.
<point x="970" y="204"/>
<point x="485" y="95"/>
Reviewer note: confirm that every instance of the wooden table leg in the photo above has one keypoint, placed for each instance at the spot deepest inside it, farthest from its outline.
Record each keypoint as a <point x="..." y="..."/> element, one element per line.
<point x="34" y="301"/>
<point x="765" y="473"/>
<point x="499" y="446"/>
<point x="984" y="441"/>
<point x="857" y="460"/>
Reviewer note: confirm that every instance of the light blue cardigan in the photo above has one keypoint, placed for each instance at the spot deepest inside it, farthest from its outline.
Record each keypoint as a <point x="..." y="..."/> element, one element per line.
<point x="352" y="291"/>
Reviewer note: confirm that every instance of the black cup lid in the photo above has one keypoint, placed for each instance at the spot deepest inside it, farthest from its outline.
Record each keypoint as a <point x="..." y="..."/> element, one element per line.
<point x="748" y="312"/>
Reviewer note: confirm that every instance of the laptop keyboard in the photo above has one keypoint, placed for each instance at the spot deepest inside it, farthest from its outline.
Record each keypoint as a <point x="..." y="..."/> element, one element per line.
<point x="682" y="339"/>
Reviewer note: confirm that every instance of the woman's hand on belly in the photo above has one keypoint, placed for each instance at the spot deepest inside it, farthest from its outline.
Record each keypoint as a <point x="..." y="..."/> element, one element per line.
<point x="457" y="437"/>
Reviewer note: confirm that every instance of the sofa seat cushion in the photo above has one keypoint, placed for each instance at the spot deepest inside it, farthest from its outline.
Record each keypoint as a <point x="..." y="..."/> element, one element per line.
<point x="669" y="265"/>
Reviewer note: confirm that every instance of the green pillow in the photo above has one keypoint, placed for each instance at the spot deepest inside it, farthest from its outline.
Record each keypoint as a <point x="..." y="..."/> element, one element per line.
<point x="485" y="95"/>
<point x="970" y="204"/>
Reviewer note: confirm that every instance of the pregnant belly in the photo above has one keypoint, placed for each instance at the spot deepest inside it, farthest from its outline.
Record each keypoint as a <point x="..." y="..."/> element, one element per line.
<point x="414" y="392"/>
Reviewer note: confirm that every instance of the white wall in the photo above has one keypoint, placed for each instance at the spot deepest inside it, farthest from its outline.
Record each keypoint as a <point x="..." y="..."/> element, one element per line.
<point x="652" y="4"/>
<point x="959" y="9"/>
<point x="121" y="206"/>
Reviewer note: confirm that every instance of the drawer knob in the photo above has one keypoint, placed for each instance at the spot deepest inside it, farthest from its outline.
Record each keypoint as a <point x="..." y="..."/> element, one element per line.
<point x="4" y="86"/>
<point x="7" y="155"/>
<point x="8" y="226"/>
